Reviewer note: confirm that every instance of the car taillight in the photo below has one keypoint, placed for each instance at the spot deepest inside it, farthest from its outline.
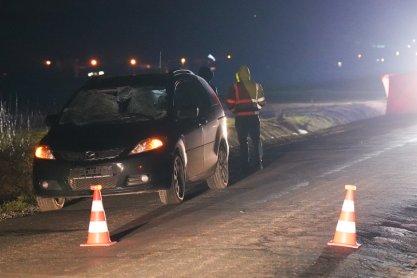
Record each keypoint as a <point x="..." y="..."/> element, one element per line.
<point x="44" y="152"/>
<point x="147" y="145"/>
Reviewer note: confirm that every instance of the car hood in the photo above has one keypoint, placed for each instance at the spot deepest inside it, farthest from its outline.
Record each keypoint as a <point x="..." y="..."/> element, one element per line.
<point x="103" y="137"/>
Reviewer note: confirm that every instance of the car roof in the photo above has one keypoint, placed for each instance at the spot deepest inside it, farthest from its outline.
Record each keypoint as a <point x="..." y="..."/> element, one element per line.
<point x="140" y="79"/>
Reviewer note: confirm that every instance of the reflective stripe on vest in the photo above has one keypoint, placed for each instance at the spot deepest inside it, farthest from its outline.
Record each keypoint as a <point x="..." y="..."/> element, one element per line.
<point x="249" y="113"/>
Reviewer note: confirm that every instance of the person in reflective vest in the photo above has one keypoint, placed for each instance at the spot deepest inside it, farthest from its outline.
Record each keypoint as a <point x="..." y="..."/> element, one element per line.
<point x="245" y="100"/>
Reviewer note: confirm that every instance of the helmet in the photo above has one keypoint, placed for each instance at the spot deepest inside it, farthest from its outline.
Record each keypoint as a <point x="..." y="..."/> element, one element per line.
<point x="243" y="74"/>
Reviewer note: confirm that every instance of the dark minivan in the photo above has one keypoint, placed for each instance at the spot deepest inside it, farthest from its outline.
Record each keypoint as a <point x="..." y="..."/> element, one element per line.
<point x="133" y="134"/>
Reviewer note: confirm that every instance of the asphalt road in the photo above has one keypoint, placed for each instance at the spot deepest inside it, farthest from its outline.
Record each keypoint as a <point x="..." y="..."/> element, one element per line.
<point x="273" y="223"/>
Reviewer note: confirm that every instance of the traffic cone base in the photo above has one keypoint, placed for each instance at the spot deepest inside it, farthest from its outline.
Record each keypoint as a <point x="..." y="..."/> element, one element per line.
<point x="98" y="244"/>
<point x="98" y="239"/>
<point x="331" y="243"/>
<point x="345" y="235"/>
<point x="98" y="233"/>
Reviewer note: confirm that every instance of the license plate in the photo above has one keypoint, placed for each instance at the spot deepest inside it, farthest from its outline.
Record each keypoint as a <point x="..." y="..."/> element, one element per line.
<point x="92" y="172"/>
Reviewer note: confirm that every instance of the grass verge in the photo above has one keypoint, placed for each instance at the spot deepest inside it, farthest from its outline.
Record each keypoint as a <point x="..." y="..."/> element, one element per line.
<point x="23" y="205"/>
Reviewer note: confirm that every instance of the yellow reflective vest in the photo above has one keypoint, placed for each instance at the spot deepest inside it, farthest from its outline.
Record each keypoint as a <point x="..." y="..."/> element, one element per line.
<point x="246" y="97"/>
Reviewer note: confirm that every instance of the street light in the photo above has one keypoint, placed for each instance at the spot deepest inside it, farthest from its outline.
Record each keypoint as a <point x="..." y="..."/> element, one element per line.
<point x="48" y="62"/>
<point x="229" y="56"/>
<point x="183" y="61"/>
<point x="93" y="62"/>
<point x="133" y="62"/>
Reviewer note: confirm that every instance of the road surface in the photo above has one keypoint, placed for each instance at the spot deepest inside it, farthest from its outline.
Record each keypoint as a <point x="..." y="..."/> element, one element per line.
<point x="273" y="223"/>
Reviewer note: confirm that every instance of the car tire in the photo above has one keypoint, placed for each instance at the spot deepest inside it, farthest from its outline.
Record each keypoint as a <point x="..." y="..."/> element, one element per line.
<point x="47" y="204"/>
<point x="220" y="178"/>
<point x="175" y="194"/>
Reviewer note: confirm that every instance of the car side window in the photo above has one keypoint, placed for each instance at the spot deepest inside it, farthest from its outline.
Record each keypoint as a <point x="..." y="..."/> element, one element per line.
<point x="183" y="96"/>
<point x="214" y="101"/>
<point x="190" y="92"/>
<point x="202" y="96"/>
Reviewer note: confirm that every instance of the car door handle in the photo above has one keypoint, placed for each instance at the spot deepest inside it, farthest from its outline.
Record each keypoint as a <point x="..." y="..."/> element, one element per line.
<point x="202" y="122"/>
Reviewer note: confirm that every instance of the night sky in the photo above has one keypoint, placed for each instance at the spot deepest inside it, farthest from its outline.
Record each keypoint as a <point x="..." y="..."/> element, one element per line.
<point x="283" y="42"/>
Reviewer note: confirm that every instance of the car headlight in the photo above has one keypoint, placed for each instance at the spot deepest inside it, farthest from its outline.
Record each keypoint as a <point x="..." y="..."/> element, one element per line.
<point x="148" y="145"/>
<point x="44" y="152"/>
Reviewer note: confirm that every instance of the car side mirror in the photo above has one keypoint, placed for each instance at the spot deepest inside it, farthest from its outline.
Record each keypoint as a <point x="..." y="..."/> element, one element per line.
<point x="190" y="112"/>
<point x="51" y="120"/>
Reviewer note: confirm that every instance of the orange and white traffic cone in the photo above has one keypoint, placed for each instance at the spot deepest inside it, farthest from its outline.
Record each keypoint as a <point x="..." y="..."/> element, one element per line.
<point x="346" y="229"/>
<point x="98" y="233"/>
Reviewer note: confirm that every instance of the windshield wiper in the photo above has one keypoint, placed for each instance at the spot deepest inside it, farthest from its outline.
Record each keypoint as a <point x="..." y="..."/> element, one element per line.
<point x="114" y="117"/>
<point x="135" y="115"/>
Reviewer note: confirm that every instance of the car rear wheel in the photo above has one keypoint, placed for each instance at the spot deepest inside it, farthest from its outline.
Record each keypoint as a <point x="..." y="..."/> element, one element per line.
<point x="47" y="204"/>
<point x="176" y="193"/>
<point x="220" y="178"/>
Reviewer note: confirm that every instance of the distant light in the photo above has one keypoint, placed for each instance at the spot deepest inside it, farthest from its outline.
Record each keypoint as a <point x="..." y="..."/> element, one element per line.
<point x="93" y="62"/>
<point x="95" y="73"/>
<point x="183" y="61"/>
<point x="48" y="62"/>
<point x="211" y="57"/>
<point x="378" y="46"/>
<point x="397" y="53"/>
<point x="414" y="40"/>
<point x="409" y="46"/>
<point x="148" y="66"/>
<point x="339" y="64"/>
<point x="133" y="62"/>
<point x="360" y="56"/>
<point x="382" y="60"/>
<point x="229" y="56"/>
<point x="378" y="60"/>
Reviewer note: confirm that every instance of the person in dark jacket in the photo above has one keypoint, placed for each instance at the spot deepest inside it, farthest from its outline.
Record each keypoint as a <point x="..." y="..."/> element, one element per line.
<point x="207" y="74"/>
<point x="245" y="100"/>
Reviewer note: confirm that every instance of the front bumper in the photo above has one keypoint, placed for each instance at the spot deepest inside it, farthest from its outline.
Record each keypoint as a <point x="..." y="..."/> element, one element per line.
<point x="147" y="172"/>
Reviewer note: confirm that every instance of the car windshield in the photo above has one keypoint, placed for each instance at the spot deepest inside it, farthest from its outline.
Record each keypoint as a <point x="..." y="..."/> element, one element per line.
<point x="119" y="104"/>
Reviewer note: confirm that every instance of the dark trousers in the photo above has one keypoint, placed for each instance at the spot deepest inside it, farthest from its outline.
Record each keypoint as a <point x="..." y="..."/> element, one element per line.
<point x="249" y="126"/>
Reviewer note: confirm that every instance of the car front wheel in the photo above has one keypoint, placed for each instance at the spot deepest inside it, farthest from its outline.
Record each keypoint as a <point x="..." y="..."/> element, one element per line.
<point x="175" y="194"/>
<point x="47" y="204"/>
<point x="220" y="178"/>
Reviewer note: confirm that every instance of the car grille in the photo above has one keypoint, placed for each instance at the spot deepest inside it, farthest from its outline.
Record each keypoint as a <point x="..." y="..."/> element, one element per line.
<point x="83" y="178"/>
<point x="98" y="155"/>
